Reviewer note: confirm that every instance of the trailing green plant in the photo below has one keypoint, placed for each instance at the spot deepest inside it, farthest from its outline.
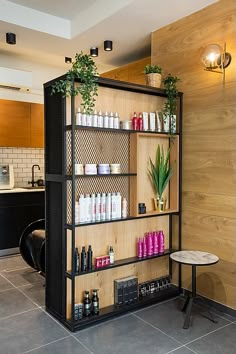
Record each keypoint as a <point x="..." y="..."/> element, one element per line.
<point x="170" y="104"/>
<point x="84" y="69"/>
<point x="160" y="171"/>
<point x="150" y="69"/>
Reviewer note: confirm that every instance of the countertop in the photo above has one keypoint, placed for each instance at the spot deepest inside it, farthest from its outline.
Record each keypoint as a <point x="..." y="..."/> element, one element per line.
<point x="22" y="190"/>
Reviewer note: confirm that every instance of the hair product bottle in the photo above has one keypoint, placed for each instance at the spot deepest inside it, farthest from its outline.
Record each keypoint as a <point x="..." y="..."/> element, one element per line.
<point x="83" y="260"/>
<point x="87" y="304"/>
<point x="111" y="255"/>
<point x="95" y="302"/>
<point x="108" y="206"/>
<point x="161" y="242"/>
<point x="90" y="257"/>
<point x="76" y="261"/>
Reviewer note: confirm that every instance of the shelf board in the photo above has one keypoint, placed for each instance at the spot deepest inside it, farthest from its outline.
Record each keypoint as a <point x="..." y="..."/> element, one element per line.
<point x="121" y="263"/>
<point x="113" y="310"/>
<point x="140" y="216"/>
<point x="69" y="177"/>
<point x="127" y="131"/>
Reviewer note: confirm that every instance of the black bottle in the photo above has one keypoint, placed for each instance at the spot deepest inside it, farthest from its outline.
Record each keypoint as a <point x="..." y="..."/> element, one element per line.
<point x="87" y="304"/>
<point x="83" y="260"/>
<point x="95" y="302"/>
<point x="76" y="261"/>
<point x="90" y="257"/>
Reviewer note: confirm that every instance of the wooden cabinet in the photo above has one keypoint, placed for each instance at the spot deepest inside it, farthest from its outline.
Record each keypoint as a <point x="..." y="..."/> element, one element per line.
<point x="67" y="143"/>
<point x="14" y="123"/>
<point x="18" y="210"/>
<point x="21" y="124"/>
<point x="37" y="125"/>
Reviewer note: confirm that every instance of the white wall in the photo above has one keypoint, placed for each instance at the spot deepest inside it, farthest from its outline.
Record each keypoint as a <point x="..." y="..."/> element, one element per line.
<point x="41" y="73"/>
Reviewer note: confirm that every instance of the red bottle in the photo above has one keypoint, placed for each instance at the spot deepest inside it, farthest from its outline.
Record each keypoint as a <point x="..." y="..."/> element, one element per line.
<point x="140" y="121"/>
<point x="135" y="122"/>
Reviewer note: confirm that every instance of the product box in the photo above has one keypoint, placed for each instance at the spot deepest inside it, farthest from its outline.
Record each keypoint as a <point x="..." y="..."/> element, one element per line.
<point x="152" y="121"/>
<point x="153" y="286"/>
<point x="126" y="290"/>
<point x="145" y="120"/>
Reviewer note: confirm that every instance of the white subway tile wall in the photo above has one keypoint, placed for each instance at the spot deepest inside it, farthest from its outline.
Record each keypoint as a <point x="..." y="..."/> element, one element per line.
<point x="22" y="160"/>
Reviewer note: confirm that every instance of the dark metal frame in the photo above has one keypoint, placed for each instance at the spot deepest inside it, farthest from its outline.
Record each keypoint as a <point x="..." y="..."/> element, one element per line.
<point x="56" y="207"/>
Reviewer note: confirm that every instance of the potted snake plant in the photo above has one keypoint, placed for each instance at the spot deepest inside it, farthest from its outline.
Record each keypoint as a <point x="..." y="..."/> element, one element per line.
<point x="160" y="173"/>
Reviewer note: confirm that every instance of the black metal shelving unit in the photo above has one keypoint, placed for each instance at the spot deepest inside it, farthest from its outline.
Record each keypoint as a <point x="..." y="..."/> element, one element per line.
<point x="62" y="141"/>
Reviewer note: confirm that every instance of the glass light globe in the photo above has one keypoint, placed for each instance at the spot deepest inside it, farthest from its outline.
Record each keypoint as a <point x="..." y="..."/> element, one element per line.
<point x="212" y="56"/>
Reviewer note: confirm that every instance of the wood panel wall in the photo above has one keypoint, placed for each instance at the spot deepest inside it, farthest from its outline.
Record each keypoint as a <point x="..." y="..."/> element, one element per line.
<point x="133" y="72"/>
<point x="209" y="142"/>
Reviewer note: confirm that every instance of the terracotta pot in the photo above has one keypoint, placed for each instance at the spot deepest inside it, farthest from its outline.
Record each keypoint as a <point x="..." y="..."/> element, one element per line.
<point x="153" y="80"/>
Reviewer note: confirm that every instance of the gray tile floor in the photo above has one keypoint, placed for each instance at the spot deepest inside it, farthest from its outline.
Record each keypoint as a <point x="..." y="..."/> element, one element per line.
<point x="25" y="326"/>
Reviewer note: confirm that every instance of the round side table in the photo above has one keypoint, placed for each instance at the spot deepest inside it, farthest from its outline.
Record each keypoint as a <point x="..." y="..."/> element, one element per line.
<point x="194" y="259"/>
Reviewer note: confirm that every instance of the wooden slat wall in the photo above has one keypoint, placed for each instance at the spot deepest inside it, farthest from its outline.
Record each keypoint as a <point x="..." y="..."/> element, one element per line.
<point x="133" y="72"/>
<point x="209" y="142"/>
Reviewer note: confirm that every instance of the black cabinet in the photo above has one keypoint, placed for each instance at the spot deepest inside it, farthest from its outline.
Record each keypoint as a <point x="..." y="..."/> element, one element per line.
<point x="17" y="210"/>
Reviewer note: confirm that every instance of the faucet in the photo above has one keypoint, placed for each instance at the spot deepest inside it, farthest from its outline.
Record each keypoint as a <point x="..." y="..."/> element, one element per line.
<point x="33" y="182"/>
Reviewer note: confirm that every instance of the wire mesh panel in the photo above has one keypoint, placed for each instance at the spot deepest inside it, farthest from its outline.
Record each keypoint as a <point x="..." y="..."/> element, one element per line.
<point x="100" y="146"/>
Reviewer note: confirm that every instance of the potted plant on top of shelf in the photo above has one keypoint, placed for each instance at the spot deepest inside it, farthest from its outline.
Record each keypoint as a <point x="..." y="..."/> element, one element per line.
<point x="153" y="75"/>
<point x="160" y="174"/>
<point x="170" y="105"/>
<point x="84" y="69"/>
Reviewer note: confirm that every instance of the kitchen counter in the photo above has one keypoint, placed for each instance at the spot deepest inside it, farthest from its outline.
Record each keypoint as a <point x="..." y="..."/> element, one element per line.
<point x="22" y="190"/>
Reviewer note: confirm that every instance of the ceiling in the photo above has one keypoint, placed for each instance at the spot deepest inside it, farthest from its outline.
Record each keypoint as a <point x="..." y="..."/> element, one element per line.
<point x="47" y="31"/>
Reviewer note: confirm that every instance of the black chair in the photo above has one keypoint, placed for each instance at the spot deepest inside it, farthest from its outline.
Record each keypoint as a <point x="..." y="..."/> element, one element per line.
<point x="32" y="245"/>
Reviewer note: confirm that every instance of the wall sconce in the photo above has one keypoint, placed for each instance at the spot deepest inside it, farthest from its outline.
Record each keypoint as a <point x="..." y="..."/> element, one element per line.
<point x="68" y="60"/>
<point x="10" y="38"/>
<point x="94" y="52"/>
<point x="215" y="58"/>
<point x="108" y="46"/>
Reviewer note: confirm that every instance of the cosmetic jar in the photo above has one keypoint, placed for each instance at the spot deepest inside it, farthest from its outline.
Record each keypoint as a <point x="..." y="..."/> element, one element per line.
<point x="103" y="169"/>
<point x="90" y="169"/>
<point x="79" y="169"/>
<point x="126" y="124"/>
<point x="115" y="168"/>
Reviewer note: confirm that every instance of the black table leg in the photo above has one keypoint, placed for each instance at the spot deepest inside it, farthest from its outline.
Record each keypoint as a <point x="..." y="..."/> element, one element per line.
<point x="189" y="302"/>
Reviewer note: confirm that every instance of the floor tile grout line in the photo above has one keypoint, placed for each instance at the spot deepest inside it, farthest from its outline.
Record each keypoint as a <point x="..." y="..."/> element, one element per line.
<point x="215" y="313"/>
<point x="82" y="343"/>
<point x="1" y="291"/>
<point x="13" y="270"/>
<point x="154" y="305"/>
<point x="204" y="335"/>
<point x="182" y="346"/>
<point x="157" y="329"/>
<point x="16" y="314"/>
<point x="106" y="322"/>
<point x="23" y="294"/>
<point x="44" y="345"/>
<point x="57" y="322"/>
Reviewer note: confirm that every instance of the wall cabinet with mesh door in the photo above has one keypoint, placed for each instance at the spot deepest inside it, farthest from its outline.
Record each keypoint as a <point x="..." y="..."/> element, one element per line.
<point x="67" y="145"/>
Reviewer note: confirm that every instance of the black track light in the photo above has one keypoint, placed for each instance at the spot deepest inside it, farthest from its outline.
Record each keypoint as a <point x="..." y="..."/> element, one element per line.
<point x="68" y="60"/>
<point x="108" y="45"/>
<point x="10" y="38"/>
<point x="94" y="52"/>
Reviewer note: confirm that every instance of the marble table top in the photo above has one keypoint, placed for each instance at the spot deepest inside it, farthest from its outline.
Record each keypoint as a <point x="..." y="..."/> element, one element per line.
<point x="194" y="257"/>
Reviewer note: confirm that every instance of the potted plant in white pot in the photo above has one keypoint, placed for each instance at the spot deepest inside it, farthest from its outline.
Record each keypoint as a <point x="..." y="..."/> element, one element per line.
<point x="84" y="69"/>
<point x="170" y="105"/>
<point x="153" y="75"/>
<point x="160" y="173"/>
